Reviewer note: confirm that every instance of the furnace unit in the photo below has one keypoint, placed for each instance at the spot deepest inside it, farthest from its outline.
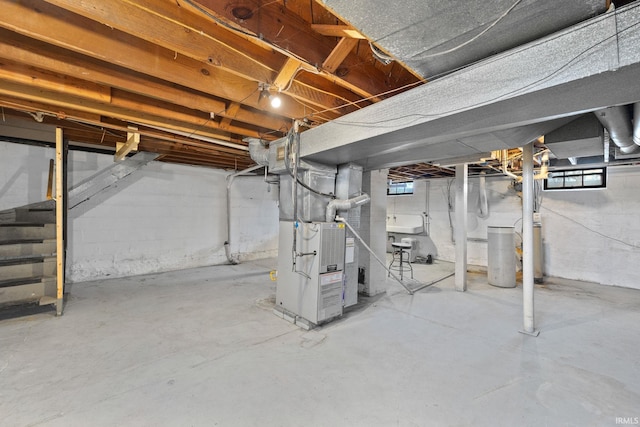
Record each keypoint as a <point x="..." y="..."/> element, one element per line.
<point x="311" y="278"/>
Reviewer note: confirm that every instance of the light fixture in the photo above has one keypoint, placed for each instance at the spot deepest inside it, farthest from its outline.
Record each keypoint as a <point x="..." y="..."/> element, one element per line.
<point x="274" y="100"/>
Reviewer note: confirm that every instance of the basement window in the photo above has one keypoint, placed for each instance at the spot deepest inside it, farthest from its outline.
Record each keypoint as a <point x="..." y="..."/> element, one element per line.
<point x="399" y="188"/>
<point x="576" y="179"/>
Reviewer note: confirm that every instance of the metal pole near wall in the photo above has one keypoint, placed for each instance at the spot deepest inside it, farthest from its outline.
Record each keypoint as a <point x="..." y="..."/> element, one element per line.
<point x="527" y="241"/>
<point x="461" y="227"/>
<point x="59" y="221"/>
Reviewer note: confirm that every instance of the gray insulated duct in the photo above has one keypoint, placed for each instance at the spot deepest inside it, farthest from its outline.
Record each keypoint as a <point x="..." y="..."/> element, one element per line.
<point x="636" y="123"/>
<point x="617" y="121"/>
<point x="258" y="152"/>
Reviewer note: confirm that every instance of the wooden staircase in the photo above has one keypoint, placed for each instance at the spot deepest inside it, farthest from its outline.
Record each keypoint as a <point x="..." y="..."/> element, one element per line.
<point x="28" y="254"/>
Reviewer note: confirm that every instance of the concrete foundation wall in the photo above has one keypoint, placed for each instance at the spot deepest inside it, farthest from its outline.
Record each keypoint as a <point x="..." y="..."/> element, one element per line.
<point x="591" y="235"/>
<point x="23" y="174"/>
<point x="162" y="217"/>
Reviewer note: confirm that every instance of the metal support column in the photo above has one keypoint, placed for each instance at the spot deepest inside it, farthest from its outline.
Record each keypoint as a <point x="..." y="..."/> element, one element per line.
<point x="462" y="189"/>
<point x="527" y="241"/>
<point x="59" y="221"/>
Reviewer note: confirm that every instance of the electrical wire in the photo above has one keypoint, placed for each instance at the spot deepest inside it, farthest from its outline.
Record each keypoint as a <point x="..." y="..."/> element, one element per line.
<point x="290" y="136"/>
<point x="367" y="99"/>
<point x="419" y="56"/>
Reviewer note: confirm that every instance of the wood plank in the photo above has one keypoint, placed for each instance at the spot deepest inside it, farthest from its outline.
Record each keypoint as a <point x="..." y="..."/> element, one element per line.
<point x="337" y="31"/>
<point x="338" y="54"/>
<point x="38" y="54"/>
<point x="56" y="26"/>
<point x="60" y="207"/>
<point x="142" y="21"/>
<point x="119" y="99"/>
<point x="133" y="139"/>
<point x="230" y="113"/>
<point x="179" y="33"/>
<point x="159" y="118"/>
<point x="102" y="135"/>
<point x="279" y="26"/>
<point x="287" y="73"/>
<point x="15" y="72"/>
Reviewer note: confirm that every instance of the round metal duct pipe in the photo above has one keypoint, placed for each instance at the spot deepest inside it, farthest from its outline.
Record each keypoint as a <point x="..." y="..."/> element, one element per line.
<point x="636" y="123"/>
<point x="617" y="120"/>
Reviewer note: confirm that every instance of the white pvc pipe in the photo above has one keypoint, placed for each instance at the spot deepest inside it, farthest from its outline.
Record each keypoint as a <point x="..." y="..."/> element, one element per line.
<point x="527" y="240"/>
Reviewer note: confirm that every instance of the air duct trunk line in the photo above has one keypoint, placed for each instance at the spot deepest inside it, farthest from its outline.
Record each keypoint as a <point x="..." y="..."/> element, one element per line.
<point x="617" y="121"/>
<point x="636" y="123"/>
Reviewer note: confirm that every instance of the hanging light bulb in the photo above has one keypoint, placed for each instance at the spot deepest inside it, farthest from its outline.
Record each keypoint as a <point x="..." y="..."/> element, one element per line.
<point x="276" y="102"/>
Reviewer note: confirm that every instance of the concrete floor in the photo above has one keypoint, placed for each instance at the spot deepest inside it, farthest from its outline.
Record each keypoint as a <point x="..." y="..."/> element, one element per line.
<point x="201" y="347"/>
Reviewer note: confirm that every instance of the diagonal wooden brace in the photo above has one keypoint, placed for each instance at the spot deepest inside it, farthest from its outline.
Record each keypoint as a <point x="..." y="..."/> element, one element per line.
<point x="124" y="148"/>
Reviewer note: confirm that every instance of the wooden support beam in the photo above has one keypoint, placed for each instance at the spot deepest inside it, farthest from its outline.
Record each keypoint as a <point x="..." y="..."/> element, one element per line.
<point x="122" y="149"/>
<point x="182" y="33"/>
<point x="338" y="54"/>
<point x="273" y="22"/>
<point x="287" y="73"/>
<point x="124" y="107"/>
<point x="337" y="31"/>
<point x="230" y="113"/>
<point x="23" y="74"/>
<point x="60" y="169"/>
<point x="44" y="56"/>
<point x="61" y="28"/>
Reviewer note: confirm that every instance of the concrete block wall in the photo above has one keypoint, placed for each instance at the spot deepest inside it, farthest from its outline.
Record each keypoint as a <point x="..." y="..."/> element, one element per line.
<point x="254" y="218"/>
<point x="162" y="217"/>
<point x="23" y="174"/>
<point x="590" y="235"/>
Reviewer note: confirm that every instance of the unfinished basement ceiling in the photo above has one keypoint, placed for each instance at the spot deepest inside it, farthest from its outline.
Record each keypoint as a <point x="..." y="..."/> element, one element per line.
<point x="194" y="77"/>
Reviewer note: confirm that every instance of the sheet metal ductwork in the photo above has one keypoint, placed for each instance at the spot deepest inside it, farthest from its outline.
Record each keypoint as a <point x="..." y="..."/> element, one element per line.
<point x="636" y="123"/>
<point x="617" y="121"/>
<point x="258" y="152"/>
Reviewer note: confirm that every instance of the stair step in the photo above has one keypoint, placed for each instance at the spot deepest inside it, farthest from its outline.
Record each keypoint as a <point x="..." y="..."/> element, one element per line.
<point x="17" y="260"/>
<point x="14" y="248"/>
<point x="27" y="289"/>
<point x="27" y="231"/>
<point x="45" y="300"/>
<point x="27" y="266"/>
<point x="6" y="283"/>
<point x="20" y="241"/>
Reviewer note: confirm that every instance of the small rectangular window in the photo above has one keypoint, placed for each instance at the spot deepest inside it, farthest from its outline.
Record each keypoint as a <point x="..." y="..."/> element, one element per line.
<point x="398" y="188"/>
<point x="576" y="179"/>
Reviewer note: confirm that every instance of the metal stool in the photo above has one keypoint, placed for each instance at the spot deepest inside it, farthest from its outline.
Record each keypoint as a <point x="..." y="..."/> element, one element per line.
<point x="399" y="262"/>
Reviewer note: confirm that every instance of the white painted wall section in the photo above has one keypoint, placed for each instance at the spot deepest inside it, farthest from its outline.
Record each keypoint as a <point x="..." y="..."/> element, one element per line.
<point x="162" y="217"/>
<point x="591" y="235"/>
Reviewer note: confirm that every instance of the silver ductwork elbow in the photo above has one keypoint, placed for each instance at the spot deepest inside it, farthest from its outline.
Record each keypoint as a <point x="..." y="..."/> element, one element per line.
<point x="617" y="121"/>
<point x="636" y="123"/>
<point x="258" y="152"/>
<point x="343" y="205"/>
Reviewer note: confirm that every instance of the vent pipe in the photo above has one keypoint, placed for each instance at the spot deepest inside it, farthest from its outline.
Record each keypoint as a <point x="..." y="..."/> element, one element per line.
<point x="343" y="205"/>
<point x="636" y="123"/>
<point x="258" y="152"/>
<point x="617" y="120"/>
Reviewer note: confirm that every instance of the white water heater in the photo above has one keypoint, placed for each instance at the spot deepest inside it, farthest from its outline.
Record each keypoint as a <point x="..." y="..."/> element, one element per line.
<point x="313" y="287"/>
